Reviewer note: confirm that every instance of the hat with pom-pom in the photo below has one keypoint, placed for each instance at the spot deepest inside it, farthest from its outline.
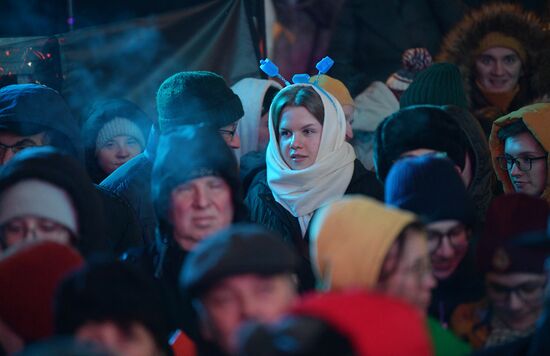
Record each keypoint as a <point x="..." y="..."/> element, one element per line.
<point x="413" y="61"/>
<point x="441" y="84"/>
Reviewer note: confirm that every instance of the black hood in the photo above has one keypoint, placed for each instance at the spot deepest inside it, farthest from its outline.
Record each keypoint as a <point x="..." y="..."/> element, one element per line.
<point x="101" y="113"/>
<point x="28" y="109"/>
<point x="188" y="153"/>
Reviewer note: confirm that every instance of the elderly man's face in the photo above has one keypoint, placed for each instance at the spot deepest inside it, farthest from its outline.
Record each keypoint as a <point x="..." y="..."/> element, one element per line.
<point x="200" y="208"/>
<point x="248" y="297"/>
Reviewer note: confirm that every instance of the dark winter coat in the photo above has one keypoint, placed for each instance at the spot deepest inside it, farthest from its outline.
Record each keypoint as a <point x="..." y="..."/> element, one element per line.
<point x="465" y="285"/>
<point x="132" y="182"/>
<point x="461" y="44"/>
<point x="483" y="176"/>
<point x="371" y="36"/>
<point x="264" y="210"/>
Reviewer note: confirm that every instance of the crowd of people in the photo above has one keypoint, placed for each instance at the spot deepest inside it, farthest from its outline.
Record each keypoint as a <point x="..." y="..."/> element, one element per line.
<point x="260" y="219"/>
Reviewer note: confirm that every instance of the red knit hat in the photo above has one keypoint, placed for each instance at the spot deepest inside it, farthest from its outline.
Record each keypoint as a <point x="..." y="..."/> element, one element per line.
<point x="514" y="237"/>
<point x="374" y="324"/>
<point x="28" y="279"/>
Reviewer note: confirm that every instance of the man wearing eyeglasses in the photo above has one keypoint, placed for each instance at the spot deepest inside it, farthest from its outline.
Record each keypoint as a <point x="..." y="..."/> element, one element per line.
<point x="519" y="148"/>
<point x="511" y="255"/>
<point x="35" y="115"/>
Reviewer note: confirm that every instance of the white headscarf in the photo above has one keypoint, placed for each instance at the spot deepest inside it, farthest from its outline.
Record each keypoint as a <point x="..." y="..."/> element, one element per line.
<point x="303" y="191"/>
<point x="251" y="91"/>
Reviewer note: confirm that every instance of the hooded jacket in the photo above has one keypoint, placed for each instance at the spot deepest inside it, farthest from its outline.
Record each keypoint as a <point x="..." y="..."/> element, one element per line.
<point x="537" y="119"/>
<point x="55" y="167"/>
<point x="101" y="114"/>
<point x="205" y="154"/>
<point x="480" y="188"/>
<point x="252" y="92"/>
<point x="461" y="44"/>
<point x="28" y="109"/>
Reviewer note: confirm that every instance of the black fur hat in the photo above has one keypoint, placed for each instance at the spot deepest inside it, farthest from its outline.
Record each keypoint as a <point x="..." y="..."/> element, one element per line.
<point x="421" y="126"/>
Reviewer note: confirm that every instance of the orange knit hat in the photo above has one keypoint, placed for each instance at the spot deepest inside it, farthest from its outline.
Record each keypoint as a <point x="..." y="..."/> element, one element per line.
<point x="497" y="39"/>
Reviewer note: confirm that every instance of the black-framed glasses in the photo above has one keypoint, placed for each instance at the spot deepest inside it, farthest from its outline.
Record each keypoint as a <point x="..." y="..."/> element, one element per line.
<point x="524" y="164"/>
<point x="18" y="147"/>
<point x="457" y="237"/>
<point x="527" y="292"/>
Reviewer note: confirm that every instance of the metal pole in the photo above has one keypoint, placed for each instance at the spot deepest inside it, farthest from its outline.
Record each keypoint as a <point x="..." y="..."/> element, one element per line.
<point x="70" y="13"/>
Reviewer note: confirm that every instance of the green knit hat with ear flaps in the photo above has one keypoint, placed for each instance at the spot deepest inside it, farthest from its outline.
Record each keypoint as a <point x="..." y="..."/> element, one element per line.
<point x="190" y="98"/>
<point x="440" y="84"/>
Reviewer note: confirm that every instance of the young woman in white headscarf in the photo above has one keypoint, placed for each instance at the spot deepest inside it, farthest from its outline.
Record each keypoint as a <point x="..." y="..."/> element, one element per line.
<point x="309" y="164"/>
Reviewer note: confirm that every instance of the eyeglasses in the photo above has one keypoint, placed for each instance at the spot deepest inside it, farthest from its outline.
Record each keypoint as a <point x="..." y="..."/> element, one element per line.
<point x="420" y="269"/>
<point x="457" y="237"/>
<point x="15" y="148"/>
<point x="524" y="164"/>
<point x="18" y="230"/>
<point x="527" y="292"/>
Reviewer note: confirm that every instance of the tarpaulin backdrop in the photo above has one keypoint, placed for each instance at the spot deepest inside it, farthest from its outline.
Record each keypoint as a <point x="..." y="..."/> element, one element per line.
<point x="132" y="58"/>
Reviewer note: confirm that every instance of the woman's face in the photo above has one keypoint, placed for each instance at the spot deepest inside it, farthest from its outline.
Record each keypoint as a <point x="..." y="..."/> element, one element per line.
<point x="117" y="151"/>
<point x="410" y="274"/>
<point x="498" y="69"/>
<point x="299" y="137"/>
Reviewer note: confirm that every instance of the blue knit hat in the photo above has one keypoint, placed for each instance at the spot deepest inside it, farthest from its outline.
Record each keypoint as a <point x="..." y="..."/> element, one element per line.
<point x="430" y="187"/>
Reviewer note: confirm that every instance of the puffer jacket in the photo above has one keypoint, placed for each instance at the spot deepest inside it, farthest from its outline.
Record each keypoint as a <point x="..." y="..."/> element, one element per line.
<point x="132" y="183"/>
<point x="264" y="210"/>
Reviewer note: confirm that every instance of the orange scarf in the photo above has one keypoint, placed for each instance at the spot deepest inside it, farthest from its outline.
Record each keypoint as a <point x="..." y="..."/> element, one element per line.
<point x="500" y="100"/>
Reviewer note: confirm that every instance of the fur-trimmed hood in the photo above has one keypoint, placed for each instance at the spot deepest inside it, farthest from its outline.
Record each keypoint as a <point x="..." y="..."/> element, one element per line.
<point x="463" y="41"/>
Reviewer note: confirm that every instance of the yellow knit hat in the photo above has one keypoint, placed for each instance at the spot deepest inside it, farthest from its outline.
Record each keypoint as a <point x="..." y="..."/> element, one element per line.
<point x="335" y="87"/>
<point x="497" y="39"/>
<point x="350" y="239"/>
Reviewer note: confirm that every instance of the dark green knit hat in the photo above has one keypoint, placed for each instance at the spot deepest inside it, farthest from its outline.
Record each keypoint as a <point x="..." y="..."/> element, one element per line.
<point x="440" y="84"/>
<point x="197" y="97"/>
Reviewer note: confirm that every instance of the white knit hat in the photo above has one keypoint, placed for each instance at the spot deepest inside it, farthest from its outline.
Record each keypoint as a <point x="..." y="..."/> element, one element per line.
<point x="119" y="126"/>
<point x="41" y="199"/>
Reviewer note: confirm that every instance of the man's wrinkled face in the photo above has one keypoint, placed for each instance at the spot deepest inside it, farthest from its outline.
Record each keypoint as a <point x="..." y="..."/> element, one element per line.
<point x="200" y="208"/>
<point x="247" y="297"/>
<point x="11" y="143"/>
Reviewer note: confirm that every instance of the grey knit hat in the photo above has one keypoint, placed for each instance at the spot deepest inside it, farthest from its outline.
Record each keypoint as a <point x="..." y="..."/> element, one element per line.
<point x="189" y="98"/>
